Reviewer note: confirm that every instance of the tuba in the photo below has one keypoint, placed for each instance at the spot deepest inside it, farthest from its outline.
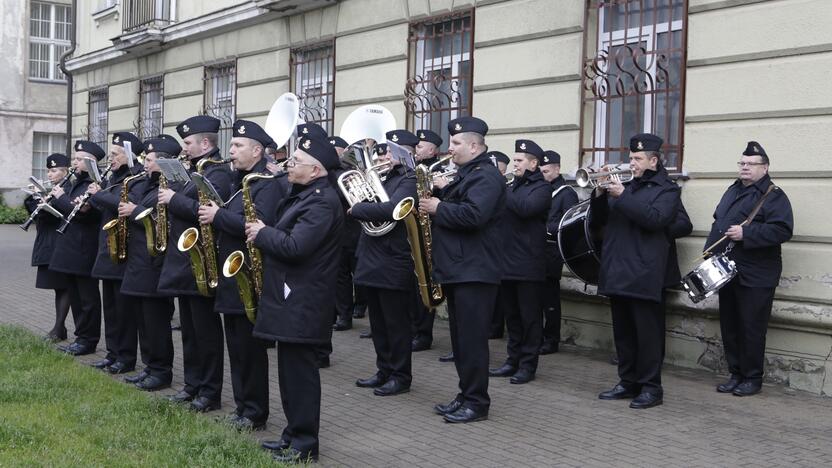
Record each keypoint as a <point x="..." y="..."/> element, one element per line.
<point x="116" y="229"/>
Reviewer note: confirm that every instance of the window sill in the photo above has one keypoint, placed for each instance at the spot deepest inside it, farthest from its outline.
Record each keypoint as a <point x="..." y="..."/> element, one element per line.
<point x="47" y="81"/>
<point x="110" y="12"/>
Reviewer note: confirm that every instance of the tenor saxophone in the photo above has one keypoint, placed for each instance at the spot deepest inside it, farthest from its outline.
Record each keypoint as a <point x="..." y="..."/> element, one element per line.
<point x="116" y="229"/>
<point x="162" y="223"/>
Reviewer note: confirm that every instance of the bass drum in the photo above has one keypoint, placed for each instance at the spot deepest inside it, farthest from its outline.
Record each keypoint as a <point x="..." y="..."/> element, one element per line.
<point x="580" y="244"/>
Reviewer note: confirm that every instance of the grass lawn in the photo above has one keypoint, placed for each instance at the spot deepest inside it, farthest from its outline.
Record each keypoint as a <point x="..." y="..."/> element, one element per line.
<point x="56" y="412"/>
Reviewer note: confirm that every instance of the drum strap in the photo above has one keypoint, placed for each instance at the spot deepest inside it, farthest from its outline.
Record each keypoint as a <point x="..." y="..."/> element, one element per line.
<point x="747" y="220"/>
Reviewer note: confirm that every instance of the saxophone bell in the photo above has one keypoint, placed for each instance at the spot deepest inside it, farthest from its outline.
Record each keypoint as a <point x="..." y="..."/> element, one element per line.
<point x="234" y="268"/>
<point x="146" y="218"/>
<point x="189" y="242"/>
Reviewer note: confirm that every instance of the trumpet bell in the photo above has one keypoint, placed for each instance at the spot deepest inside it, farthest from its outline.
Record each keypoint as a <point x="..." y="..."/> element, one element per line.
<point x="233" y="263"/>
<point x="188" y="239"/>
<point x="585" y="178"/>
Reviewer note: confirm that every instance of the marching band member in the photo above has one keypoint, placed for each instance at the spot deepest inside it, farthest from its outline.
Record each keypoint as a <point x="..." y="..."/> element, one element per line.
<point x="498" y="319"/>
<point x="468" y="261"/>
<point x="300" y="255"/>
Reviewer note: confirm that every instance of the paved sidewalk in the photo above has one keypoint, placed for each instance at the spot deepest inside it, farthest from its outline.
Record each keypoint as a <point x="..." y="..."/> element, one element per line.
<point x="554" y="421"/>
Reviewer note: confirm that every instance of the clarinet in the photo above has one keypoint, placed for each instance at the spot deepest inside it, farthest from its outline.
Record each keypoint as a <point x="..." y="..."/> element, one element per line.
<point x="46" y="200"/>
<point x="84" y="198"/>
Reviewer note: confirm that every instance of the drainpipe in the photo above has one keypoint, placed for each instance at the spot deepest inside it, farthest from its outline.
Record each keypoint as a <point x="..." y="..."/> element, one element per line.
<point x="68" y="76"/>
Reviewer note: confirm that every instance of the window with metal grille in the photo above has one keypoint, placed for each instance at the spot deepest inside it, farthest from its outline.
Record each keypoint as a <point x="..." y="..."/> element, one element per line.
<point x="151" y="103"/>
<point x="440" y="60"/>
<point x="313" y="81"/>
<point x="44" y="144"/>
<point x="633" y="78"/>
<point x="49" y="26"/>
<point x="143" y="14"/>
<point x="220" y="96"/>
<point x="98" y="114"/>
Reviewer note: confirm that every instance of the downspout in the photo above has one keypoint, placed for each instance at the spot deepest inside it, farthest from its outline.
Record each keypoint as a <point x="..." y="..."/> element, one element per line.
<point x="68" y="76"/>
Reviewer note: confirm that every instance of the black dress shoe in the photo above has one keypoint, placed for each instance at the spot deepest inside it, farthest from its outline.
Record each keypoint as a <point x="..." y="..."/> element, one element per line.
<point x="294" y="456"/>
<point x="275" y="445"/>
<point x="119" y="367"/>
<point x="419" y="344"/>
<point x="391" y="387"/>
<point x="376" y="380"/>
<point x="619" y="392"/>
<point x="522" y="376"/>
<point x="747" y="388"/>
<point x="153" y="383"/>
<point x="506" y="370"/>
<point x="359" y="311"/>
<point x="133" y="379"/>
<point x="730" y="385"/>
<point x="182" y="397"/>
<point x="549" y="347"/>
<point x="465" y="415"/>
<point x="646" y="400"/>
<point x="451" y="407"/>
<point x="366" y="334"/>
<point x="342" y="324"/>
<point x="204" y="404"/>
<point x="102" y="363"/>
<point x="244" y="424"/>
<point x="78" y="349"/>
<point x="447" y="357"/>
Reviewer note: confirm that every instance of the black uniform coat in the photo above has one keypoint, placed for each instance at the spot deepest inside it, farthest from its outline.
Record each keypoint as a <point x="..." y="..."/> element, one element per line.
<point x="177" y="277"/>
<point x="230" y="229"/>
<point x="46" y="225"/>
<point x="467" y="241"/>
<point x="76" y="249"/>
<point x="301" y="255"/>
<point x="636" y="246"/>
<point x="106" y="202"/>
<point x="680" y="227"/>
<point x="385" y="261"/>
<point x="565" y="199"/>
<point x="528" y="198"/>
<point x="757" y="255"/>
<point x="141" y="276"/>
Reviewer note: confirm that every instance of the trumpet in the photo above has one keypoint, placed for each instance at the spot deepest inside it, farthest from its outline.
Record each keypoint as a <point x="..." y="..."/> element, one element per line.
<point x="603" y="179"/>
<point x="433" y="173"/>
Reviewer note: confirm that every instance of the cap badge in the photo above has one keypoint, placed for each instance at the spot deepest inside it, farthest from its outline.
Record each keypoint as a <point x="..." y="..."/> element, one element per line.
<point x="80" y="147"/>
<point x="457" y="127"/>
<point x="305" y="130"/>
<point x="52" y="163"/>
<point x="186" y="129"/>
<point x="150" y="146"/>
<point x="756" y="150"/>
<point x="522" y="146"/>
<point x="421" y="135"/>
<point x="545" y="158"/>
<point x="307" y="144"/>
<point x="332" y="142"/>
<point x="115" y="140"/>
<point x="640" y="146"/>
<point x="242" y="130"/>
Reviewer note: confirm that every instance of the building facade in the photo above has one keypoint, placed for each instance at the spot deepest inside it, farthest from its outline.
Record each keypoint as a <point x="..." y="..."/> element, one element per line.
<point x="578" y="77"/>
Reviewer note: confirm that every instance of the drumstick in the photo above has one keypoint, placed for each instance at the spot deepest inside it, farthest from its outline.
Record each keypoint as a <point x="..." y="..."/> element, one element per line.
<point x="708" y="250"/>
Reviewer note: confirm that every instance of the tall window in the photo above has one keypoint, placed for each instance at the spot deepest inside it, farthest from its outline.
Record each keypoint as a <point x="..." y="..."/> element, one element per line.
<point x="49" y="27"/>
<point x="438" y="87"/>
<point x="151" y="95"/>
<point x="143" y="14"/>
<point x="44" y="144"/>
<point x="98" y="116"/>
<point x="221" y="99"/>
<point x="633" y="78"/>
<point x="313" y="81"/>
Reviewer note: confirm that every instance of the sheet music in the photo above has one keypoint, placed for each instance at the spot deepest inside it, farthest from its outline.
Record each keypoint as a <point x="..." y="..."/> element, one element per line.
<point x="204" y="185"/>
<point x="398" y="153"/>
<point x="128" y="148"/>
<point x="174" y="170"/>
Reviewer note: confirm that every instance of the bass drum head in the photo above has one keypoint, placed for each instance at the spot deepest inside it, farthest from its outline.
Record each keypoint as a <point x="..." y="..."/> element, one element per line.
<point x="579" y="244"/>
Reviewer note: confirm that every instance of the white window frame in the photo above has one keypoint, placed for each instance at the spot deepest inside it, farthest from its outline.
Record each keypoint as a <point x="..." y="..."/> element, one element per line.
<point x="55" y="75"/>
<point x="55" y="143"/>
<point x="425" y="66"/>
<point x="147" y="109"/>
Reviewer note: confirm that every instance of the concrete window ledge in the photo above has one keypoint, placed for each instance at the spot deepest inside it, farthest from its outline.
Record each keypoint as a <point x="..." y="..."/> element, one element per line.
<point x="111" y="13"/>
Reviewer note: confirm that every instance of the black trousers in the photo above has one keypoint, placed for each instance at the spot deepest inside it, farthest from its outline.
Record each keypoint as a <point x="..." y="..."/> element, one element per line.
<point x="422" y="320"/>
<point x="202" y="347"/>
<point x="155" y="335"/>
<point x="743" y="319"/>
<point x="344" y="289"/>
<point x="638" y="328"/>
<point x="300" y="394"/>
<point x="524" y="321"/>
<point x="551" y="310"/>
<point x="469" y="316"/>
<point x="498" y="318"/>
<point x="249" y="368"/>
<point x="120" y="329"/>
<point x="390" y="312"/>
<point x="85" y="298"/>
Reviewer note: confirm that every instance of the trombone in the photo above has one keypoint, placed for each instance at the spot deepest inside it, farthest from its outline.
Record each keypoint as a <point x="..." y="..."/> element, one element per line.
<point x="585" y="178"/>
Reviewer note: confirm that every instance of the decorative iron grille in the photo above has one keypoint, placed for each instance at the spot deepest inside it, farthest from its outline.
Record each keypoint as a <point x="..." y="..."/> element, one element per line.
<point x="151" y="106"/>
<point x="313" y="81"/>
<point x="220" y="99"/>
<point x="440" y="64"/>
<point x="97" y="117"/>
<point x="633" y="78"/>
<point x="141" y="14"/>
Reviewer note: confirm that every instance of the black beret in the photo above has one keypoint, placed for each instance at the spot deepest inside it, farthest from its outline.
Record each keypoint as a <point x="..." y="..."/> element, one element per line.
<point x="381" y="149"/>
<point x="89" y="147"/>
<point x="754" y="149"/>
<point x="198" y="124"/>
<point x="57" y="160"/>
<point x="249" y="129"/>
<point x="498" y="156"/>
<point x="529" y="147"/>
<point x="164" y="143"/>
<point x="402" y="137"/>
<point x="135" y="144"/>
<point x="550" y="157"/>
<point x="645" y="142"/>
<point x="467" y="124"/>
<point x="321" y="150"/>
<point x="311" y="129"/>
<point x="338" y="142"/>
<point x="430" y="137"/>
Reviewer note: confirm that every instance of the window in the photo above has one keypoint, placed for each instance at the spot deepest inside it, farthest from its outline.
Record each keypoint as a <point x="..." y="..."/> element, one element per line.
<point x="438" y="87"/>
<point x="313" y="81"/>
<point x="634" y="79"/>
<point x="143" y="14"/>
<point x="151" y="93"/>
<point x="49" y="27"/>
<point x="97" y="117"/>
<point x="221" y="99"/>
<point x="44" y="144"/>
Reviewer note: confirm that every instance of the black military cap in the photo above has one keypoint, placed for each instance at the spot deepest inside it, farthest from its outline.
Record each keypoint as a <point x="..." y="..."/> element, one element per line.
<point x="338" y="142"/>
<point x="89" y="147"/>
<point x="645" y="142"/>
<point x="198" y="124"/>
<point x="321" y="150"/>
<point x="430" y="137"/>
<point x="381" y="149"/>
<point x="402" y="137"/>
<point x="528" y="147"/>
<point x="135" y="144"/>
<point x="467" y="124"/>
<point x="57" y="160"/>
<point x="754" y="149"/>
<point x="498" y="157"/>
<point x="249" y="129"/>
<point x="164" y="143"/>
<point x="550" y="157"/>
<point x="311" y="129"/>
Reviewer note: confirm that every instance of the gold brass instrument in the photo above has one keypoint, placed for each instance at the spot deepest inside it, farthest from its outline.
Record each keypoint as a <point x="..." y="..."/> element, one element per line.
<point x="189" y="242"/>
<point x="162" y="222"/>
<point x="603" y="179"/>
<point x="146" y="218"/>
<point x="116" y="229"/>
<point x="432" y="171"/>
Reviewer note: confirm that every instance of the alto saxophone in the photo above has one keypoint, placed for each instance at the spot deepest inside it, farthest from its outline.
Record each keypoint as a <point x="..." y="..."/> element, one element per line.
<point x="116" y="229"/>
<point x="162" y="223"/>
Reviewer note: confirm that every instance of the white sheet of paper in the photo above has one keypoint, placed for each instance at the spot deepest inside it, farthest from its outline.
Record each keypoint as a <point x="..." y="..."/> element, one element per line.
<point x="286" y="290"/>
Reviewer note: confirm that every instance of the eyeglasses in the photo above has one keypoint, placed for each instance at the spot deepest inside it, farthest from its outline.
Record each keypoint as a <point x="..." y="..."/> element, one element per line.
<point x="749" y="164"/>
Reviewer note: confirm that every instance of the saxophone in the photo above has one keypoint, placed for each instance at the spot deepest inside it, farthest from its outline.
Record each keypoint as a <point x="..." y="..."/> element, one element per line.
<point x="249" y="282"/>
<point x="162" y="223"/>
<point x="116" y="229"/>
<point x="420" y="239"/>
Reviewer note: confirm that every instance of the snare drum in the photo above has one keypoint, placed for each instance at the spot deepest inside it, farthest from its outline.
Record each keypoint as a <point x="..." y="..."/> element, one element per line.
<point x="708" y="277"/>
